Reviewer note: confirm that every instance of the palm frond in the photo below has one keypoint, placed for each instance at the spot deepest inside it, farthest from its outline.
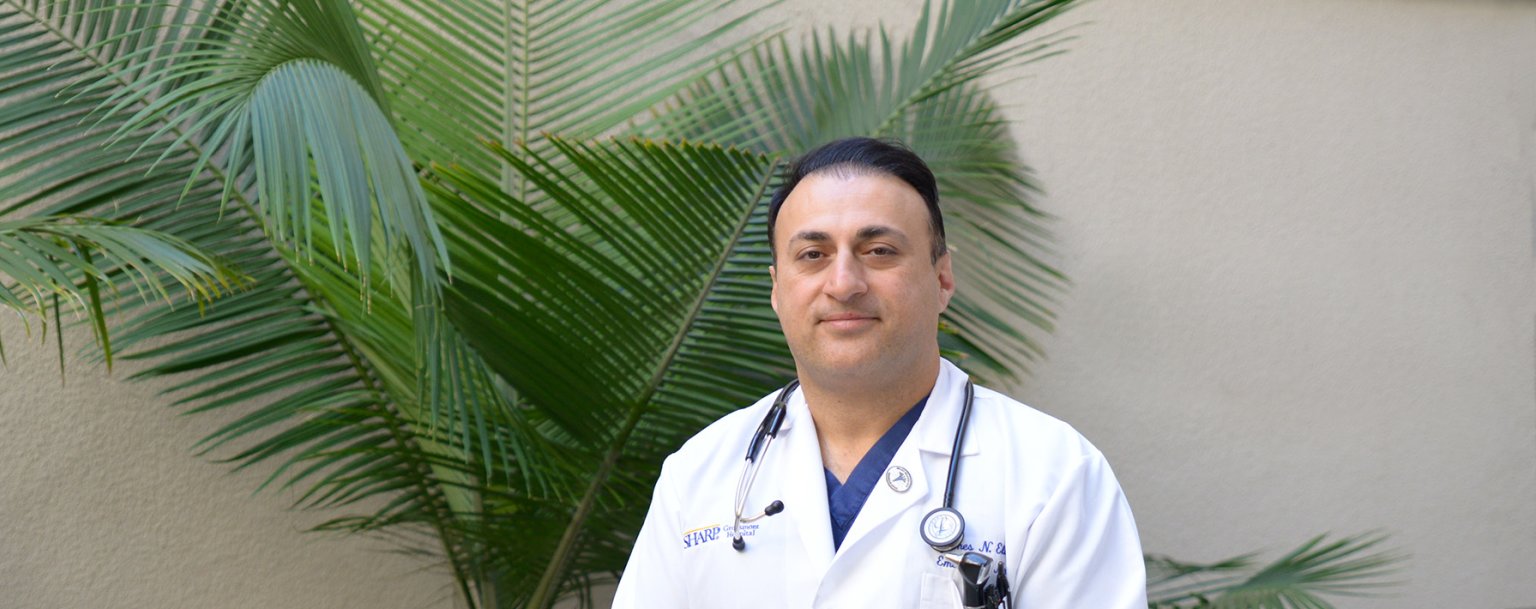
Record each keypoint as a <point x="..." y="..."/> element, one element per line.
<point x="304" y="379"/>
<point x="509" y="71"/>
<point x="606" y="335"/>
<point x="1352" y="566"/>
<point x="296" y="386"/>
<point x="75" y="259"/>
<point x="868" y="84"/>
<point x="299" y="78"/>
<point x="282" y="87"/>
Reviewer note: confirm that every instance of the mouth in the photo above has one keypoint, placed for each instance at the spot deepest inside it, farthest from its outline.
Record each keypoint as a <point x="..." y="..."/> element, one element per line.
<point x="848" y="321"/>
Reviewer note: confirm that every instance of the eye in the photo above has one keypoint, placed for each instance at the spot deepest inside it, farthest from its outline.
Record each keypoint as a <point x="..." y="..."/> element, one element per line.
<point x="881" y="250"/>
<point x="812" y="255"/>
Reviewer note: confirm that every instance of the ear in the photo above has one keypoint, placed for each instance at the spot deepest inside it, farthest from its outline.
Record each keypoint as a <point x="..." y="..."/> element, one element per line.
<point x="773" y="295"/>
<point x="945" y="270"/>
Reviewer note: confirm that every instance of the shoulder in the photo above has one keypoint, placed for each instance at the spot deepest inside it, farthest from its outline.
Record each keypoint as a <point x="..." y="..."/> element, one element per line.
<point x="1028" y="435"/>
<point x="1001" y="425"/>
<point x="1045" y="460"/>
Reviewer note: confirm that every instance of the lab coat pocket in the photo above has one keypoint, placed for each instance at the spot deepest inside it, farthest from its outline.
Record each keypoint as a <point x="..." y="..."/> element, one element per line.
<point x="939" y="592"/>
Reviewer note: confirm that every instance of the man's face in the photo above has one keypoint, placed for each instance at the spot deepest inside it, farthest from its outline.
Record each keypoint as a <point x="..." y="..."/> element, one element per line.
<point x="854" y="284"/>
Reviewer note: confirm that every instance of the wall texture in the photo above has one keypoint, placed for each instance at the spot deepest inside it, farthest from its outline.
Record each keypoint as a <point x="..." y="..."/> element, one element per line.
<point x="1301" y="239"/>
<point x="103" y="505"/>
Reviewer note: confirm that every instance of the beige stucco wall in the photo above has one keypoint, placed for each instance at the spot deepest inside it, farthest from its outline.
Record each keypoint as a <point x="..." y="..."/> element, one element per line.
<point x="1301" y="239"/>
<point x="103" y="506"/>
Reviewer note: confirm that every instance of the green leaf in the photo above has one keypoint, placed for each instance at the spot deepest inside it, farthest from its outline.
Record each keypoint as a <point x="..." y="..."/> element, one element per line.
<point x="283" y="87"/>
<point x="54" y="259"/>
<point x="602" y="331"/>
<point x="229" y="354"/>
<point x="1352" y="566"/>
<point x="459" y="72"/>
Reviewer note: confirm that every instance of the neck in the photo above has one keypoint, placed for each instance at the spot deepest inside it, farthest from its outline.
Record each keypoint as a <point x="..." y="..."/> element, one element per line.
<point x="851" y="415"/>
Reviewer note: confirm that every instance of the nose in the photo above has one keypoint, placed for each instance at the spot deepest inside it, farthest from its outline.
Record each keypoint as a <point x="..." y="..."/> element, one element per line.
<point x="847" y="279"/>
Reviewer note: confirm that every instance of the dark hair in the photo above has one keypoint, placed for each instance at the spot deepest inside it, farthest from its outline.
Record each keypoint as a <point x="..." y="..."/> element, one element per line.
<point x="856" y="156"/>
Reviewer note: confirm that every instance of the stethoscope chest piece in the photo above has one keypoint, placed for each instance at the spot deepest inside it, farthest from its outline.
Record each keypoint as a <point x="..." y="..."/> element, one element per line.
<point x="943" y="528"/>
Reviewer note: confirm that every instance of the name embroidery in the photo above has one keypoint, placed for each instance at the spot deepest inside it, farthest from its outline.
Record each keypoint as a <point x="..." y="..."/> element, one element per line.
<point x="995" y="548"/>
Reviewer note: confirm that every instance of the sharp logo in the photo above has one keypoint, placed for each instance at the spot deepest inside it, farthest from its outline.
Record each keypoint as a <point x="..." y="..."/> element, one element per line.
<point x="712" y="532"/>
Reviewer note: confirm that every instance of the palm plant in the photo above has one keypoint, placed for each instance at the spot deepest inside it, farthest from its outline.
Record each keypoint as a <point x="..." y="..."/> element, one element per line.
<point x="499" y="264"/>
<point x="1352" y="566"/>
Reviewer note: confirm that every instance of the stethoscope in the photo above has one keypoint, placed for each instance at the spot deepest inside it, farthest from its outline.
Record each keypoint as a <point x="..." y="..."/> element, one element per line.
<point x="985" y="582"/>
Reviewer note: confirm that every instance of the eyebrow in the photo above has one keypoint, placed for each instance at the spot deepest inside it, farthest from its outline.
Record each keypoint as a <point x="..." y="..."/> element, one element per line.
<point x="810" y="235"/>
<point x="871" y="232"/>
<point x="864" y="234"/>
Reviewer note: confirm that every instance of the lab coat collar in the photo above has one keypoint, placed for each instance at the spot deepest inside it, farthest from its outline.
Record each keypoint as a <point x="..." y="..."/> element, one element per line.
<point x="935" y="430"/>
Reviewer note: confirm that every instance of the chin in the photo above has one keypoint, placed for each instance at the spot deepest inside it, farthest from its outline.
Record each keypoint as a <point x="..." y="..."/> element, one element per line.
<point x="843" y="366"/>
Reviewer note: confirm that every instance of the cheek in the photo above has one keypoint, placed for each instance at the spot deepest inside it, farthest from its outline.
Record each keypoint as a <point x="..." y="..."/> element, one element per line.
<point x="789" y="301"/>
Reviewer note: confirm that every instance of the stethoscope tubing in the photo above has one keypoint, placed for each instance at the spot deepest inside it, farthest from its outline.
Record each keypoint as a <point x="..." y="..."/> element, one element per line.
<point x="954" y="455"/>
<point x="768" y="430"/>
<point x="761" y="440"/>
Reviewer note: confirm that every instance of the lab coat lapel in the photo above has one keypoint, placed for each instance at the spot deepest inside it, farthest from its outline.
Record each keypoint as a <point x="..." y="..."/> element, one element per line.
<point x="933" y="435"/>
<point x="936" y="434"/>
<point x="884" y="503"/>
<point x="804" y="489"/>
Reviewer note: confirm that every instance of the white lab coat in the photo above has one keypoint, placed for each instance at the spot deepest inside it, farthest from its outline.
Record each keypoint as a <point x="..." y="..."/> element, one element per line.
<point x="1033" y="492"/>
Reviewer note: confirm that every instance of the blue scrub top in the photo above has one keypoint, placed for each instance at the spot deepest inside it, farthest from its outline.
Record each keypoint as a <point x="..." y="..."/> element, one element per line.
<point x="846" y="499"/>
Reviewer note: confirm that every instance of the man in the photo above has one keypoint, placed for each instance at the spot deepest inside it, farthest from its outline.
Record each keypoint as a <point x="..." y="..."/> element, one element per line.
<point x="862" y="456"/>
